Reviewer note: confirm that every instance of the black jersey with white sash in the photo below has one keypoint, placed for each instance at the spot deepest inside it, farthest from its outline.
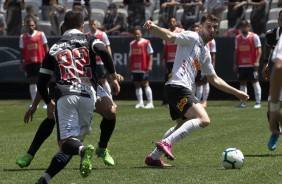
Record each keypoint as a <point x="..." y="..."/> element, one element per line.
<point x="72" y="62"/>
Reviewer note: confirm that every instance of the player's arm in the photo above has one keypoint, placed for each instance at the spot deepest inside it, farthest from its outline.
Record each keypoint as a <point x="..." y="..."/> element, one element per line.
<point x="256" y="64"/>
<point x="29" y="113"/>
<point x="163" y="33"/>
<point x="223" y="86"/>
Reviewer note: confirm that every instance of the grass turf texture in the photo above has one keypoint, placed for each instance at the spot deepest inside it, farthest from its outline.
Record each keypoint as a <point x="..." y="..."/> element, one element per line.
<point x="197" y="157"/>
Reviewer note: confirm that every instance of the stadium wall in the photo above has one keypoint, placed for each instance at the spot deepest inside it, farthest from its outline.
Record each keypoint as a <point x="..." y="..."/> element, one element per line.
<point x="15" y="85"/>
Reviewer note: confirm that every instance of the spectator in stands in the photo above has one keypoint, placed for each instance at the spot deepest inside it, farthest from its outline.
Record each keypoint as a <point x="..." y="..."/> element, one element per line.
<point x="136" y="12"/>
<point x="246" y="61"/>
<point x="258" y="15"/>
<point x="56" y="16"/>
<point x="45" y="9"/>
<point x="114" y="22"/>
<point x="80" y="6"/>
<point x="14" y="16"/>
<point x="31" y="14"/>
<point x="167" y="10"/>
<point x="33" y="47"/>
<point x="191" y="12"/>
<point x="234" y="16"/>
<point x="214" y="7"/>
<point x="140" y="64"/>
<point x="2" y="25"/>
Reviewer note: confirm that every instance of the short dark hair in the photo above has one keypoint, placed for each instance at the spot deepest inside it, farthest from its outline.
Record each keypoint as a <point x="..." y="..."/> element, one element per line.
<point x="73" y="19"/>
<point x="209" y="17"/>
<point x="244" y="23"/>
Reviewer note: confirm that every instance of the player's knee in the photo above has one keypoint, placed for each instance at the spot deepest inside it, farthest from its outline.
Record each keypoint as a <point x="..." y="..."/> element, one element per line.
<point x="110" y="113"/>
<point x="205" y="121"/>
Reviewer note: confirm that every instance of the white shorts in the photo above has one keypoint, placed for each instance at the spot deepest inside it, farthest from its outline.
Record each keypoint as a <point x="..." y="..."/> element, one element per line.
<point x="101" y="92"/>
<point x="73" y="115"/>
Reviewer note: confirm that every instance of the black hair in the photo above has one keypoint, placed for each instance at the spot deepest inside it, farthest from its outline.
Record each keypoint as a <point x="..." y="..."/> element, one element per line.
<point x="73" y="19"/>
<point x="209" y="17"/>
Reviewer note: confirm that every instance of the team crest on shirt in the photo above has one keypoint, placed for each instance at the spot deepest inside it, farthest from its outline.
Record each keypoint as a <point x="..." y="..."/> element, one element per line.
<point x="196" y="64"/>
<point x="181" y="104"/>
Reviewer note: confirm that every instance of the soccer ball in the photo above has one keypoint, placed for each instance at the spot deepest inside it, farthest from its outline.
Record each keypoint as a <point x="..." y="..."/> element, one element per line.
<point x="232" y="158"/>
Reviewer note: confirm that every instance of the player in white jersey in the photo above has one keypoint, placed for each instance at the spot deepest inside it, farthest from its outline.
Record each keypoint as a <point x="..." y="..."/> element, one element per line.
<point x="191" y="55"/>
<point x="275" y="89"/>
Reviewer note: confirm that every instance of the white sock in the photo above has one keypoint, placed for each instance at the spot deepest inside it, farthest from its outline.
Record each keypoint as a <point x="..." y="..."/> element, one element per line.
<point x="186" y="129"/>
<point x="149" y="94"/>
<point x="157" y="154"/>
<point x="107" y="88"/>
<point x="206" y="91"/>
<point x="243" y="88"/>
<point x="47" y="177"/>
<point x="139" y="95"/>
<point x="257" y="90"/>
<point x="199" y="92"/>
<point x="32" y="91"/>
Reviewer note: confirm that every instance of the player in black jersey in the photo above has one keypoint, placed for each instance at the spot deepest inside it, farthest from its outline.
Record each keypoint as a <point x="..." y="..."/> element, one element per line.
<point x="72" y="61"/>
<point x="271" y="39"/>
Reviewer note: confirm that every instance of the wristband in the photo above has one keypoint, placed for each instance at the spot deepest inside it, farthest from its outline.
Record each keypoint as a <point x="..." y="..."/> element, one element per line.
<point x="274" y="107"/>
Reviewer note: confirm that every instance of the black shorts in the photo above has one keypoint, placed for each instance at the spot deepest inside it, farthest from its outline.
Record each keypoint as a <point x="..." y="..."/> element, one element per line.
<point x="180" y="99"/>
<point x="140" y="76"/>
<point x="101" y="72"/>
<point x="200" y="79"/>
<point x="247" y="73"/>
<point x="32" y="70"/>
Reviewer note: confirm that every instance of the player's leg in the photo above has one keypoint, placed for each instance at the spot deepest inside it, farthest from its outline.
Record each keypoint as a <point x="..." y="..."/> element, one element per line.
<point x="102" y="76"/>
<point x="44" y="131"/>
<point x="257" y="88"/>
<point x="183" y="104"/>
<point x="137" y="78"/>
<point x="206" y="92"/>
<point x="148" y="92"/>
<point x="58" y="163"/>
<point x="273" y="140"/>
<point x="242" y="76"/>
<point x="105" y="107"/>
<point x="80" y="110"/>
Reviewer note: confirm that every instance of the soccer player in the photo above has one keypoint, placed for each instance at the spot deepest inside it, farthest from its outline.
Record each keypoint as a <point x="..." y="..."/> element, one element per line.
<point x="246" y="61"/>
<point x="72" y="60"/>
<point x="191" y="55"/>
<point x="271" y="38"/>
<point x="33" y="47"/>
<point x="101" y="72"/>
<point x="140" y="64"/>
<point x="275" y="89"/>
<point x="169" y="49"/>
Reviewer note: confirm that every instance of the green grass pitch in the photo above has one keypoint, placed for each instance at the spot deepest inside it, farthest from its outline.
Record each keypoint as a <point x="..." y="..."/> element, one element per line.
<point x="197" y="157"/>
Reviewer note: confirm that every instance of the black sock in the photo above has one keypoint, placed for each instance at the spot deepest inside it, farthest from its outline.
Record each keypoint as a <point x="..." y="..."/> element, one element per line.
<point x="107" y="127"/>
<point x="58" y="163"/>
<point x="44" y="131"/>
<point x="71" y="146"/>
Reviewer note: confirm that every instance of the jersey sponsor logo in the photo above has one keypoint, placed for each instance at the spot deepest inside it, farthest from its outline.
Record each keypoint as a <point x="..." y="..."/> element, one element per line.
<point x="182" y="103"/>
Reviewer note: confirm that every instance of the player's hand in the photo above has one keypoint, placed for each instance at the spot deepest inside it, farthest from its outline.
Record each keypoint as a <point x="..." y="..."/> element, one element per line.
<point x="275" y="118"/>
<point x="51" y="109"/>
<point x="115" y="87"/>
<point x="242" y="95"/>
<point x="29" y="114"/>
<point x="265" y="73"/>
<point x="120" y="78"/>
<point x="149" y="25"/>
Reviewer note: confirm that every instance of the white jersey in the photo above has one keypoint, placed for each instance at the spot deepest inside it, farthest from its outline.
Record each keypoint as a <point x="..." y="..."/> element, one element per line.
<point x="277" y="53"/>
<point x="212" y="46"/>
<point x="191" y="55"/>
